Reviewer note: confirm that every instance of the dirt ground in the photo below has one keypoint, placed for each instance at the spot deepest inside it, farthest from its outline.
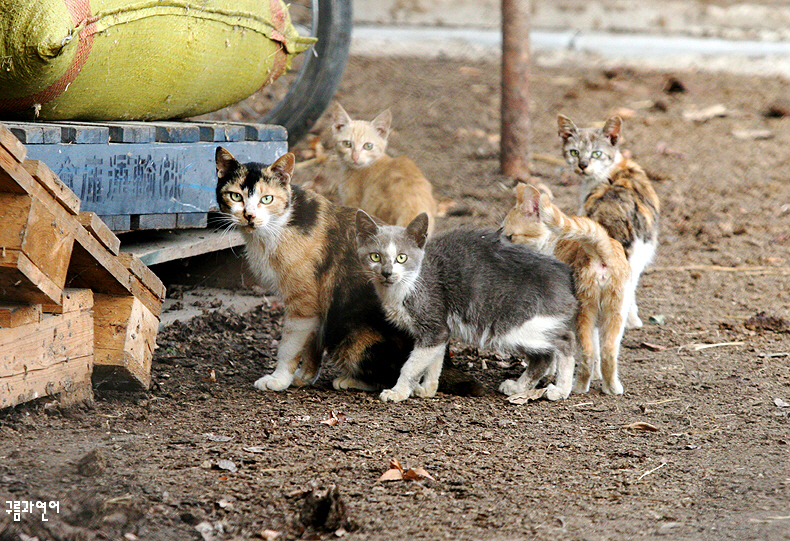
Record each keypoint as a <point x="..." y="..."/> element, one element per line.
<point x="698" y="447"/>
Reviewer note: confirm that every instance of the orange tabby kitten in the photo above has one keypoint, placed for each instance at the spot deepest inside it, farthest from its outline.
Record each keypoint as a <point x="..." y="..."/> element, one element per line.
<point x="615" y="192"/>
<point x="602" y="277"/>
<point x="391" y="189"/>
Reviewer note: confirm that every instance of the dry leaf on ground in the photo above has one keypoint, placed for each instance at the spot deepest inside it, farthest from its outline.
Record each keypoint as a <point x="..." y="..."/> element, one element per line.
<point x="399" y="473"/>
<point x="335" y="418"/>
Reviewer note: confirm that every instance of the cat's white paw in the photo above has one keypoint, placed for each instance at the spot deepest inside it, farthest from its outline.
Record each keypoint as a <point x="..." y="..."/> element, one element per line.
<point x="510" y="387"/>
<point x="426" y="390"/>
<point x="555" y="393"/>
<point x="272" y="383"/>
<point x="633" y="321"/>
<point x="344" y="383"/>
<point x="393" y="395"/>
<point x="615" y="388"/>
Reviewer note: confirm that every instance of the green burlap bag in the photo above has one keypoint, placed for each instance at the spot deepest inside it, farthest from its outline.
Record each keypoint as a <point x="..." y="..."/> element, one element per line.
<point x="139" y="59"/>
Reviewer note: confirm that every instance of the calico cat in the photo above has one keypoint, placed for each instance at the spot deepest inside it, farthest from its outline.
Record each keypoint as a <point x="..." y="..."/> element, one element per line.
<point x="304" y="248"/>
<point x="601" y="274"/>
<point x="615" y="192"/>
<point x="391" y="189"/>
<point x="475" y="286"/>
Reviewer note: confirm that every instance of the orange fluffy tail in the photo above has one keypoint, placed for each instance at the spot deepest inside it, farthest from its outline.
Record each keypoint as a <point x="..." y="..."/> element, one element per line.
<point x="587" y="232"/>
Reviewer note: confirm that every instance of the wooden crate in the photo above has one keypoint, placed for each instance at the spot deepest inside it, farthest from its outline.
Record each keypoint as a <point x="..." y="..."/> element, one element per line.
<point x="125" y="338"/>
<point x="36" y="241"/>
<point x="50" y="354"/>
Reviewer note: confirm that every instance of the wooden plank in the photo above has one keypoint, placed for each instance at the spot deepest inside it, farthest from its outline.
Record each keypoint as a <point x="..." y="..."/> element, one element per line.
<point x="125" y="338"/>
<point x="36" y="133"/>
<point x="100" y="231"/>
<point x="146" y="276"/>
<point x="27" y="133"/>
<point x="135" y="132"/>
<point x="93" y="267"/>
<point x="42" y="173"/>
<point x="85" y="134"/>
<point x="176" y="132"/>
<point x="191" y="220"/>
<point x="74" y="300"/>
<point x="14" y="147"/>
<point x="20" y="314"/>
<point x="117" y="223"/>
<point x="53" y="357"/>
<point x="22" y="281"/>
<point x="12" y="179"/>
<point x="46" y="238"/>
<point x="221" y="132"/>
<point x="164" y="246"/>
<point x="154" y="221"/>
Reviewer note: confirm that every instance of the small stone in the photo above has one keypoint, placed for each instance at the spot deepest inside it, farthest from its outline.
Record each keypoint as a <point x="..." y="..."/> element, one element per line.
<point x="92" y="464"/>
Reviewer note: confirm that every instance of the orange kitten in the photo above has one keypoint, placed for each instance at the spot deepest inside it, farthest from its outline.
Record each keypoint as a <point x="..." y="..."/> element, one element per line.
<point x="391" y="189"/>
<point x="602" y="277"/>
<point x="615" y="192"/>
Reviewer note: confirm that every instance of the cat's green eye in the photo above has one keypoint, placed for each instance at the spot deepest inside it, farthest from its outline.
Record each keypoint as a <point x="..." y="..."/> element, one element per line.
<point x="597" y="154"/>
<point x="267" y="199"/>
<point x="401" y="258"/>
<point x="368" y="146"/>
<point x="235" y="196"/>
<point x="575" y="153"/>
<point x="346" y="144"/>
<point x="375" y="258"/>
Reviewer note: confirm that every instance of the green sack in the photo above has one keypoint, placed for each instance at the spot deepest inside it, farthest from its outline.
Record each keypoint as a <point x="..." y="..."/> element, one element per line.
<point x="139" y="59"/>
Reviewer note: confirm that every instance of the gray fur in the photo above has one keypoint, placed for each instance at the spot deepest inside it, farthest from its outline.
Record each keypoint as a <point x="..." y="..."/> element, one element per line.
<point x="473" y="285"/>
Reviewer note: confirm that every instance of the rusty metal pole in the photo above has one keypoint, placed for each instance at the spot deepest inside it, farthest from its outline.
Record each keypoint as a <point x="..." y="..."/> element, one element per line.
<point x="515" y="130"/>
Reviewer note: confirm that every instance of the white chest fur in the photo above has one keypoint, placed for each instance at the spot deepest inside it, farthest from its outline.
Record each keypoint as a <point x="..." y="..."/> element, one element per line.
<point x="259" y="252"/>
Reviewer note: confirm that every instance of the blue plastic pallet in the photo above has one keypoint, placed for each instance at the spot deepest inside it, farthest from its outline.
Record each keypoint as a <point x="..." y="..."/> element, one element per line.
<point x="146" y="175"/>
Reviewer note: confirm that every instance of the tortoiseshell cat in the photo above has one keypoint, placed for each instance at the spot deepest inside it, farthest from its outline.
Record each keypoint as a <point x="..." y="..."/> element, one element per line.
<point x="391" y="189"/>
<point x="304" y="248"/>
<point x="473" y="285"/>
<point x="615" y="192"/>
<point x="601" y="275"/>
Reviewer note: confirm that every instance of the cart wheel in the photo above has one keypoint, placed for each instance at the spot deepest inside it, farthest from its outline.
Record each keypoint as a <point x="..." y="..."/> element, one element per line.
<point x="321" y="70"/>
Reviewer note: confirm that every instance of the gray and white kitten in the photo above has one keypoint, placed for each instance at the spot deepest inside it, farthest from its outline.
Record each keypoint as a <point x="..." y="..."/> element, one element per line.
<point x="474" y="286"/>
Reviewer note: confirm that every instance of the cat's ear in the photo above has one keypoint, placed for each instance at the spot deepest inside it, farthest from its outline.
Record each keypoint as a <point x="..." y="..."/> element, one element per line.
<point x="340" y="118"/>
<point x="417" y="230"/>
<point x="566" y="127"/>
<point x="366" y="227"/>
<point x="611" y="129"/>
<point x="226" y="163"/>
<point x="382" y="124"/>
<point x="520" y="187"/>
<point x="529" y="203"/>
<point x="283" y="168"/>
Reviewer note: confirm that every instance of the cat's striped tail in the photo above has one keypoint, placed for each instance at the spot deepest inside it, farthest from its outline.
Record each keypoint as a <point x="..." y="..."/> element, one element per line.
<point x="587" y="232"/>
